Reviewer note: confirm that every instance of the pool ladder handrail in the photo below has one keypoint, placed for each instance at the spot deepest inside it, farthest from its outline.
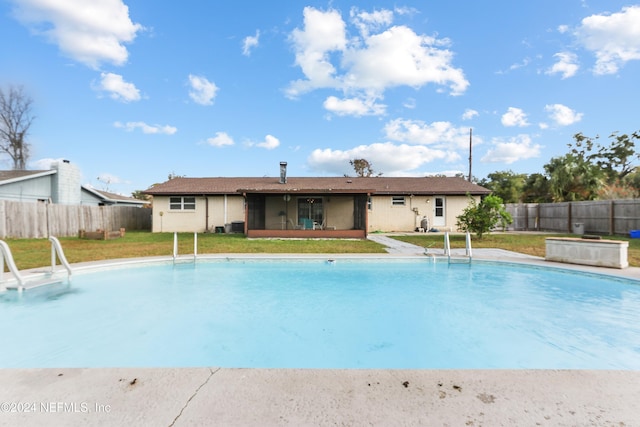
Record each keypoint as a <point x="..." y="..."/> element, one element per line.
<point x="175" y="246"/>
<point x="6" y="255"/>
<point x="447" y="246"/>
<point x="56" y="249"/>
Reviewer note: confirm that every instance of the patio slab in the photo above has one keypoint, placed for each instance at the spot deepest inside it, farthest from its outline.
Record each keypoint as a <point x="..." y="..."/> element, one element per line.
<point x="273" y="397"/>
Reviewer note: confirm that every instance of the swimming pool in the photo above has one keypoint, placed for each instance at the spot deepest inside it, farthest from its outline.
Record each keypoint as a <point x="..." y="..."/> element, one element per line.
<point x="276" y="313"/>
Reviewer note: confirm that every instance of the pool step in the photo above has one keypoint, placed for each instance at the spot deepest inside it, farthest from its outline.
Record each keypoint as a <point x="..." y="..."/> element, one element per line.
<point x="460" y="260"/>
<point x="34" y="284"/>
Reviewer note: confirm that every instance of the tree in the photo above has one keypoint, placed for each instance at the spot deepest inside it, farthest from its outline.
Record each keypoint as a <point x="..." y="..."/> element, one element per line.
<point x="573" y="178"/>
<point x="363" y="168"/>
<point x="15" y="121"/>
<point x="536" y="189"/>
<point x="507" y="185"/>
<point x="616" y="160"/>
<point x="480" y="218"/>
<point x="138" y="194"/>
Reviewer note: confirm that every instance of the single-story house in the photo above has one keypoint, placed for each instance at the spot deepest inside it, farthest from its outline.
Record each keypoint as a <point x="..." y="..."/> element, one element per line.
<point x="59" y="185"/>
<point x="309" y="206"/>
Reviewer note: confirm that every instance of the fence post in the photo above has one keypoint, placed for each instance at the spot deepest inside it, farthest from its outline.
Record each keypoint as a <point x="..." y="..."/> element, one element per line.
<point x="612" y="219"/>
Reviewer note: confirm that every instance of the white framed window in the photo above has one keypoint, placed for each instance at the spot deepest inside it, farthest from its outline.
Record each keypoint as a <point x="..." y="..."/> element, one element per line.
<point x="398" y="201"/>
<point x="182" y="203"/>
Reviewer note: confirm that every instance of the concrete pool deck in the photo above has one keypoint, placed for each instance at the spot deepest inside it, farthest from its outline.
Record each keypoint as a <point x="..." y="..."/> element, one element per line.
<point x="311" y="397"/>
<point x="265" y="397"/>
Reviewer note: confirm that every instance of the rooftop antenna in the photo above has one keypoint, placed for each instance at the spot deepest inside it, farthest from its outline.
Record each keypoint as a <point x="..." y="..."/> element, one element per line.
<point x="470" y="150"/>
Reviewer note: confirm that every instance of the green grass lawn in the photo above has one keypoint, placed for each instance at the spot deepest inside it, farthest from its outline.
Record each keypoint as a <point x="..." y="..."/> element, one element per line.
<point x="31" y="253"/>
<point x="526" y="243"/>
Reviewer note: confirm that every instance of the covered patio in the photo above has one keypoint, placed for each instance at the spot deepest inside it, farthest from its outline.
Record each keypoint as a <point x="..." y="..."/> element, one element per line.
<point x="306" y="213"/>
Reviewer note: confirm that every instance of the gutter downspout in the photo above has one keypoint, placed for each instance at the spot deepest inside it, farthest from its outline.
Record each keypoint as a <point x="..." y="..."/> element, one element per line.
<point x="225" y="213"/>
<point x="246" y="215"/>
<point x="206" y="213"/>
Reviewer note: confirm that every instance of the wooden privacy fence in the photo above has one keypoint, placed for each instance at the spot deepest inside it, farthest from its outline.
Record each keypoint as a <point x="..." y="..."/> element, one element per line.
<point x="597" y="217"/>
<point x="39" y="220"/>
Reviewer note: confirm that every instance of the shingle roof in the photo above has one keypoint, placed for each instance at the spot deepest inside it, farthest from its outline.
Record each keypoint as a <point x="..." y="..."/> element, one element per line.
<point x="316" y="185"/>
<point x="18" y="175"/>
<point x="113" y="197"/>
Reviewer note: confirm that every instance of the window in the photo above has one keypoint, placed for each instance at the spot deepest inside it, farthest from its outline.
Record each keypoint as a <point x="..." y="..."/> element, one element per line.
<point x="369" y="203"/>
<point x="439" y="206"/>
<point x="397" y="201"/>
<point x="182" y="203"/>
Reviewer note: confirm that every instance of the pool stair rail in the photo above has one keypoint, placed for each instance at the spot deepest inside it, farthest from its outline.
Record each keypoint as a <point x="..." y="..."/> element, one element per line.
<point x="20" y="282"/>
<point x="189" y="258"/>
<point x="6" y="256"/>
<point x="466" y="259"/>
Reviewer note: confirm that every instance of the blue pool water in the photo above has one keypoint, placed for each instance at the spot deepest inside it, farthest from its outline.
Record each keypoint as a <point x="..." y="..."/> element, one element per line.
<point x="409" y="314"/>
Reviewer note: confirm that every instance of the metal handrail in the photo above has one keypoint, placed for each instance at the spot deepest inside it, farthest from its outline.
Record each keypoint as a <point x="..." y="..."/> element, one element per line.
<point x="56" y="249"/>
<point x="5" y="255"/>
<point x="175" y="246"/>
<point x="447" y="246"/>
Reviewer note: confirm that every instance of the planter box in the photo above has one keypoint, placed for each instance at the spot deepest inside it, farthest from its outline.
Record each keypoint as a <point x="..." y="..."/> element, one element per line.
<point x="599" y="253"/>
<point x="101" y="234"/>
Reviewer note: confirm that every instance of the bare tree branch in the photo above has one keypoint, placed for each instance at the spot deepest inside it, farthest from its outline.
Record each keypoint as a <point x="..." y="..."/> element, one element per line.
<point x="15" y="121"/>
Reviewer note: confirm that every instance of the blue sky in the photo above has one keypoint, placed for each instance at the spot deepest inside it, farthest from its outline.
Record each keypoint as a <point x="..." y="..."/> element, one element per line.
<point x="132" y="91"/>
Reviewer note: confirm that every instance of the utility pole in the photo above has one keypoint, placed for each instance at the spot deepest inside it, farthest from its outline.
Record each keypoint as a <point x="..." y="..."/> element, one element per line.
<point x="470" y="151"/>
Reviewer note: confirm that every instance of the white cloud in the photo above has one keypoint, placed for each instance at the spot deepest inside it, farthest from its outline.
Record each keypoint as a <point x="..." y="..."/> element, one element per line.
<point x="370" y="21"/>
<point x="249" y="43"/>
<point x="118" y="89"/>
<point x="368" y="64"/>
<point x="567" y="65"/>
<point x="410" y="103"/>
<point x="202" y="90"/>
<point x="91" y="32"/>
<point x="517" y="148"/>
<point x="270" y="142"/>
<point x="614" y="38"/>
<point x="469" y="114"/>
<point x="514" y="117"/>
<point x="324" y="32"/>
<point x="562" y="115"/>
<point x="442" y="135"/>
<point x="220" y="140"/>
<point x="388" y="158"/>
<point x="354" y="107"/>
<point x="44" y="164"/>
<point x="148" y="129"/>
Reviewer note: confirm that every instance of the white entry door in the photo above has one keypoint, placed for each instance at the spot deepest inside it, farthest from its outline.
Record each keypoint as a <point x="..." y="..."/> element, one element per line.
<point x="439" y="212"/>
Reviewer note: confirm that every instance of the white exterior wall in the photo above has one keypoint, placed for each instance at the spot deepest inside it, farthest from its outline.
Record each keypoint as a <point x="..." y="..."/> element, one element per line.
<point x="338" y="213"/>
<point x="384" y="216"/>
<point x="30" y="190"/>
<point x="222" y="210"/>
<point x="225" y="210"/>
